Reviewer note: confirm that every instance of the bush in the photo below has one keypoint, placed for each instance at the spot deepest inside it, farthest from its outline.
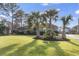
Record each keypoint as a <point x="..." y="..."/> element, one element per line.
<point x="42" y="32"/>
<point x="31" y="33"/>
<point x="50" y="34"/>
<point x="2" y="28"/>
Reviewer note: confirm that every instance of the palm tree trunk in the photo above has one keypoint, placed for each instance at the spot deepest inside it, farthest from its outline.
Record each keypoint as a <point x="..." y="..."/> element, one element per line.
<point x="63" y="33"/>
<point x="21" y="23"/>
<point x="50" y="26"/>
<point x="37" y="31"/>
<point x="50" y="23"/>
<point x="21" y="20"/>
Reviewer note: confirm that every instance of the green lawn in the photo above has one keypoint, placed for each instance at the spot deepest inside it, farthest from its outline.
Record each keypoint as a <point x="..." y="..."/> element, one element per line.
<point x="26" y="46"/>
<point x="77" y="35"/>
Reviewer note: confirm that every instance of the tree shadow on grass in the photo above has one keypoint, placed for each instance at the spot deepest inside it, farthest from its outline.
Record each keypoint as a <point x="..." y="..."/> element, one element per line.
<point x="20" y="51"/>
<point x="59" y="51"/>
<point x="4" y="50"/>
<point x="73" y="43"/>
<point x="38" y="51"/>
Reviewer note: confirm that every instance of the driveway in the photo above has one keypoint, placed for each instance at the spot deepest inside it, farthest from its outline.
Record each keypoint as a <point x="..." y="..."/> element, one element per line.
<point x="73" y="36"/>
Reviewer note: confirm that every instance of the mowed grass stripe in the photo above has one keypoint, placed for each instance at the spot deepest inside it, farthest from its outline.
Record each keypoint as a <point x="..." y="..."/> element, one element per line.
<point x="19" y="45"/>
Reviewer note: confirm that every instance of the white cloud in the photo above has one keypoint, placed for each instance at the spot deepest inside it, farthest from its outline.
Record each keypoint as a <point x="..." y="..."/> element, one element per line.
<point x="45" y="4"/>
<point x="3" y="16"/>
<point x="58" y="9"/>
<point x="77" y="11"/>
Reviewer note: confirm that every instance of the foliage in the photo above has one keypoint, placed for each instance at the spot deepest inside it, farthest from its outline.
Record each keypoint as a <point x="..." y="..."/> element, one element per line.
<point x="49" y="36"/>
<point x="65" y="20"/>
<point x="9" y="9"/>
<point x="19" y="17"/>
<point x="2" y="28"/>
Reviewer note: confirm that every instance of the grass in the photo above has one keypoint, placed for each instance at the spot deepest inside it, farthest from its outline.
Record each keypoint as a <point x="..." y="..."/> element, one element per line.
<point x="19" y="45"/>
<point x="77" y="35"/>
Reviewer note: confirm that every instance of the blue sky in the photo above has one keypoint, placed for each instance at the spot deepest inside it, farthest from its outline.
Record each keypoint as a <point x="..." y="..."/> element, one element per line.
<point x="65" y="9"/>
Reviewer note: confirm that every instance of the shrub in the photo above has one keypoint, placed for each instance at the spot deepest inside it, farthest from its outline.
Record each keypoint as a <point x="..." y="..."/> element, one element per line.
<point x="2" y="28"/>
<point x="50" y="34"/>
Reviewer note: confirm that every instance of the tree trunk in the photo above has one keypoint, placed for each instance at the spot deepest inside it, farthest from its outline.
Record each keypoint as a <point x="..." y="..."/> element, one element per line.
<point x="63" y="33"/>
<point x="78" y="27"/>
<point x="21" y="23"/>
<point x="12" y="22"/>
<point x="12" y="26"/>
<point x="50" y="26"/>
<point x="37" y="33"/>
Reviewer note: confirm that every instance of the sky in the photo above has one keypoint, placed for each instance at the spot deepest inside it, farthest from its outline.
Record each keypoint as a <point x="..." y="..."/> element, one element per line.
<point x="64" y="9"/>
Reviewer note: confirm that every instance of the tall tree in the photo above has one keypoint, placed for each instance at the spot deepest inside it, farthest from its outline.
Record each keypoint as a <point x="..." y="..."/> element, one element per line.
<point x="2" y="25"/>
<point x="65" y="21"/>
<point x="36" y="22"/>
<point x="43" y="21"/>
<point x="51" y="15"/>
<point x="29" y="22"/>
<point x="9" y="10"/>
<point x="19" y="16"/>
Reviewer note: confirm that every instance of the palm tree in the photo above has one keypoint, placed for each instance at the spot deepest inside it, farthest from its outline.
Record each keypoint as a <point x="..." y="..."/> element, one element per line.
<point x="51" y="15"/>
<point x="36" y="22"/>
<point x="43" y="19"/>
<point x="44" y="22"/>
<point x="65" y="20"/>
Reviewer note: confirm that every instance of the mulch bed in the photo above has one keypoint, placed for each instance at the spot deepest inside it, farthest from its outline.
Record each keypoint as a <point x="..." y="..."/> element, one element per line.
<point x="51" y="39"/>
